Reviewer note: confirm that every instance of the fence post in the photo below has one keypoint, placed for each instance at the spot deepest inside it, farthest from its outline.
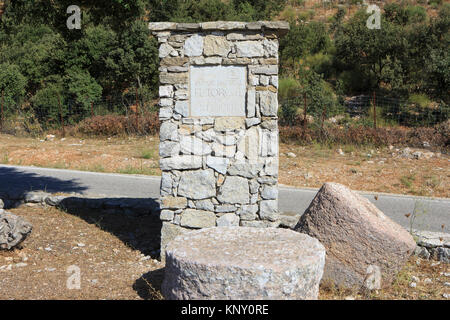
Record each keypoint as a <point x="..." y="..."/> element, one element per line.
<point x="2" y="115"/>
<point x="324" y="111"/>
<point x="137" y="111"/>
<point x="304" y="111"/>
<point x="61" y="115"/>
<point x="374" y="111"/>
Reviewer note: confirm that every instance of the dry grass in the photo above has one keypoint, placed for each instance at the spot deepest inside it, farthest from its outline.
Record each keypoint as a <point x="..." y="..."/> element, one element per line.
<point x="360" y="168"/>
<point x="365" y="168"/>
<point x="113" y="267"/>
<point x="117" y="154"/>
<point x="400" y="289"/>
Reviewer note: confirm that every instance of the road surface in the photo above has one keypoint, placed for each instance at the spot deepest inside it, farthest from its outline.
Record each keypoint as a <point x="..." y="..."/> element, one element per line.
<point x="432" y="213"/>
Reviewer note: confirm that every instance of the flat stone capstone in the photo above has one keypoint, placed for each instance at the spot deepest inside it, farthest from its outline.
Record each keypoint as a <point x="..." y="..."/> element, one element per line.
<point x="243" y="263"/>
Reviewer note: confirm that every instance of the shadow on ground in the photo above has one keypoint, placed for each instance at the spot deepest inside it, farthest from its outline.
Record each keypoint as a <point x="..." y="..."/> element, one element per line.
<point x="148" y="286"/>
<point x="138" y="227"/>
<point x="135" y="221"/>
<point x="15" y="183"/>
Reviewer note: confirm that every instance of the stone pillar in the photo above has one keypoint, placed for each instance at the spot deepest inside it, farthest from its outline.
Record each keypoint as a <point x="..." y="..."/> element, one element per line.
<point x="219" y="130"/>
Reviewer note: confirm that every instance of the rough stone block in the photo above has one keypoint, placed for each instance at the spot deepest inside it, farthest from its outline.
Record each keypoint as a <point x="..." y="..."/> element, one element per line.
<point x="268" y="103"/>
<point x="224" y="124"/>
<point x="195" y="146"/>
<point x="173" y="203"/>
<point x="199" y="184"/>
<point x="219" y="164"/>
<point x="216" y="46"/>
<point x="234" y="190"/>
<point x="198" y="219"/>
<point x="168" y="131"/>
<point x="223" y="25"/>
<point x="268" y="210"/>
<point x="169" y="149"/>
<point x="159" y="26"/>
<point x="228" y="220"/>
<point x="181" y="163"/>
<point x="249" y="49"/>
<point x="166" y="91"/>
<point x="173" y="78"/>
<point x="193" y="46"/>
<point x="13" y="230"/>
<point x="248" y="212"/>
<point x="356" y="235"/>
<point x="166" y="215"/>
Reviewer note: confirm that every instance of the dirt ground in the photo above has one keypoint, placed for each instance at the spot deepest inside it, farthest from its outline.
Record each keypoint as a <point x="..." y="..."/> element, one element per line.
<point x="115" y="260"/>
<point x="112" y="254"/>
<point x="360" y="168"/>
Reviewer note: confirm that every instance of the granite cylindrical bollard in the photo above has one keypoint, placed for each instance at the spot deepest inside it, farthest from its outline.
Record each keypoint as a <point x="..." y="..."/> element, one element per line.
<point x="243" y="263"/>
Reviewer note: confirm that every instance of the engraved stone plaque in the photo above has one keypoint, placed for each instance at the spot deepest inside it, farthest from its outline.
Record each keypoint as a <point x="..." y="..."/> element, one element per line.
<point x="217" y="91"/>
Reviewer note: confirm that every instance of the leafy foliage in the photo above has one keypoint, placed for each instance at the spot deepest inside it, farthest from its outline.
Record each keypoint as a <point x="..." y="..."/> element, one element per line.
<point x="42" y="62"/>
<point x="12" y="84"/>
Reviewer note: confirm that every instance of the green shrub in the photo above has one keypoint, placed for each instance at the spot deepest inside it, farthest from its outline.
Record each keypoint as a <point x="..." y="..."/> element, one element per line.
<point x="288" y="88"/>
<point x="435" y="2"/>
<point x="420" y="100"/>
<point x="321" y="63"/>
<point x="288" y="14"/>
<point x="12" y="86"/>
<point x="83" y="90"/>
<point x="47" y="103"/>
<point x="416" y="14"/>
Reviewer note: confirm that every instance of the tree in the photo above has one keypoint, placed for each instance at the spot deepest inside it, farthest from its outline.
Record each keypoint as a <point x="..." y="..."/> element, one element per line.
<point x="375" y="53"/>
<point x="134" y="62"/>
<point x="82" y="90"/>
<point x="48" y="104"/>
<point x="37" y="51"/>
<point x="262" y="9"/>
<point x="302" y="40"/>
<point x="201" y="10"/>
<point x="12" y="85"/>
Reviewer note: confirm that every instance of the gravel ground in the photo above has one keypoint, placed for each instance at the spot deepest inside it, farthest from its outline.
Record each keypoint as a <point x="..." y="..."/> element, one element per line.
<point x="360" y="168"/>
<point x="112" y="263"/>
<point x="116" y="256"/>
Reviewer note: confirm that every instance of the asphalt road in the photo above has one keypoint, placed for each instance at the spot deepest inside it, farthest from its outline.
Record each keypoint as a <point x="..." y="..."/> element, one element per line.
<point x="431" y="213"/>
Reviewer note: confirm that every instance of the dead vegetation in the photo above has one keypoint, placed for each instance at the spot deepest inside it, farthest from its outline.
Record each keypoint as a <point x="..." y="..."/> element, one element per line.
<point x="430" y="278"/>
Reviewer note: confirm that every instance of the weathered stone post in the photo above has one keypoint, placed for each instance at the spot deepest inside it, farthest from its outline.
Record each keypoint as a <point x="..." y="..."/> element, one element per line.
<point x="219" y="130"/>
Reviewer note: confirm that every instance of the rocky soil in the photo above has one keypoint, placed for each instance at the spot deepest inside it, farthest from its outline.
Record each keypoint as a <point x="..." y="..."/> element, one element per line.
<point x="412" y="171"/>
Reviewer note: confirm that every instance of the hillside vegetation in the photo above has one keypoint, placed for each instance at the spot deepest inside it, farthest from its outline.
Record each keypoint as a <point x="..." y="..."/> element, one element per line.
<point x="51" y="74"/>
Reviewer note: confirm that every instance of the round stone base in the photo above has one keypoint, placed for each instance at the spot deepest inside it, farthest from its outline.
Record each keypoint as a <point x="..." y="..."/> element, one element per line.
<point x="243" y="263"/>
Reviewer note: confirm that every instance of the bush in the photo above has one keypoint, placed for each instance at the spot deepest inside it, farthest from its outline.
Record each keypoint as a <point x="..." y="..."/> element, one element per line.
<point x="288" y="88"/>
<point x="435" y="2"/>
<point x="12" y="85"/>
<point x="48" y="105"/>
<point x="420" y="100"/>
<point x="84" y="90"/>
<point x="321" y="63"/>
<point x="115" y="125"/>
<point x="361" y="135"/>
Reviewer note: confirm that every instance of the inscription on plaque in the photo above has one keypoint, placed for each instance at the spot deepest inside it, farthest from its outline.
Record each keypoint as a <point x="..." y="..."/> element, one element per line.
<point x="217" y="91"/>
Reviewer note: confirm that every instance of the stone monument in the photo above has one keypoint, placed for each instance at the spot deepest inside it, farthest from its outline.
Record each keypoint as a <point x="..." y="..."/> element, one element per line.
<point x="219" y="130"/>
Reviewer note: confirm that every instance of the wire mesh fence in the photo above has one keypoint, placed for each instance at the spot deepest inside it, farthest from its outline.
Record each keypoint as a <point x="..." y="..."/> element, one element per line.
<point x="373" y="110"/>
<point x="133" y="113"/>
<point x="129" y="114"/>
